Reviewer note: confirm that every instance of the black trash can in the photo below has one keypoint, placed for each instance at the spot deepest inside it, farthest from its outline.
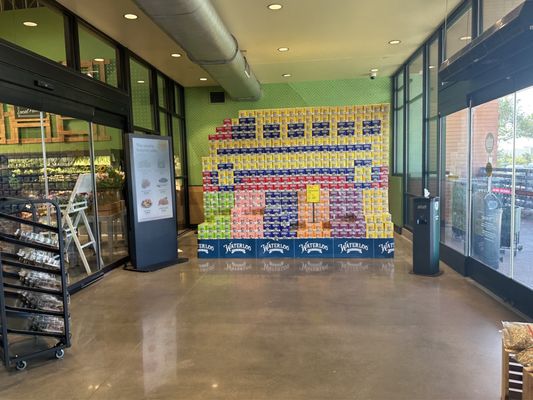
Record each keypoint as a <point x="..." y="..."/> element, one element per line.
<point x="426" y="236"/>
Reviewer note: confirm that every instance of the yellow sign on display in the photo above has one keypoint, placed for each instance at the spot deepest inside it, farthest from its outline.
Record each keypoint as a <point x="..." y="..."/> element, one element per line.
<point x="313" y="193"/>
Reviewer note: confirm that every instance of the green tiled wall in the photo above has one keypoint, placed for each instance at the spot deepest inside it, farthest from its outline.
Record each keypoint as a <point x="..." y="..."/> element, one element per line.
<point x="202" y="117"/>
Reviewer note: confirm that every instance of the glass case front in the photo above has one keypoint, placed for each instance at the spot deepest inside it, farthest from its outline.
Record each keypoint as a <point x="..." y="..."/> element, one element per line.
<point x="44" y="155"/>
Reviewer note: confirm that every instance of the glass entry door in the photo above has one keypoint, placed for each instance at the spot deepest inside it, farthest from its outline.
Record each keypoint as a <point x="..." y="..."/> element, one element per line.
<point x="44" y="155"/>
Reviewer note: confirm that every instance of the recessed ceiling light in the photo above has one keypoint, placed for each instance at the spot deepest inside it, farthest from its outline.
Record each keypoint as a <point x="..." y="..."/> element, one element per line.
<point x="283" y="49"/>
<point x="275" y="7"/>
<point x="286" y="75"/>
<point x="140" y="81"/>
<point x="203" y="79"/>
<point x="130" y="16"/>
<point x="29" y="23"/>
<point x="395" y="41"/>
<point x="99" y="60"/>
<point x="374" y="70"/>
<point x="431" y="67"/>
<point x="175" y="55"/>
<point x="464" y="38"/>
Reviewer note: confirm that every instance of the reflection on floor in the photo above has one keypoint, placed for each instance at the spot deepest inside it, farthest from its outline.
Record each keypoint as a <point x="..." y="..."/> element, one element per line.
<point x="273" y="329"/>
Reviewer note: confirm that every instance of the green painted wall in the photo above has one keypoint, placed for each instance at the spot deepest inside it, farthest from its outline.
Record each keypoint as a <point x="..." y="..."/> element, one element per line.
<point x="202" y="117"/>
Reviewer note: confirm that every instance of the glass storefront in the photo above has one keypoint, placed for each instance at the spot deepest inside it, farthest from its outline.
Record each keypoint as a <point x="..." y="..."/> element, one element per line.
<point x="492" y="168"/>
<point x="44" y="155"/>
<point x="454" y="225"/>
<point x="522" y="254"/>
<point x="500" y="191"/>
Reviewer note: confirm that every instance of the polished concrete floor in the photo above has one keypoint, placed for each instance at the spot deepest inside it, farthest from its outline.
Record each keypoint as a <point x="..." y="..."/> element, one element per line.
<point x="270" y="329"/>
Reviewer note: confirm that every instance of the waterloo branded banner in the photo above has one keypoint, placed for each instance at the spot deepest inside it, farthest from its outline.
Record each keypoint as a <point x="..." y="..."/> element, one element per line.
<point x="237" y="248"/>
<point x="313" y="248"/>
<point x="384" y="248"/>
<point x="353" y="248"/>
<point x="275" y="248"/>
<point x="208" y="249"/>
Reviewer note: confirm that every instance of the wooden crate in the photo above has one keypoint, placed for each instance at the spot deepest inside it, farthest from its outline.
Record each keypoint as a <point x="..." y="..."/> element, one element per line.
<point x="517" y="381"/>
<point x="527" y="386"/>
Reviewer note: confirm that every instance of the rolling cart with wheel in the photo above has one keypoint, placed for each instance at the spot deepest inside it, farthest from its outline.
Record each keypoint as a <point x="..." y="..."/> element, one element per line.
<point x="34" y="300"/>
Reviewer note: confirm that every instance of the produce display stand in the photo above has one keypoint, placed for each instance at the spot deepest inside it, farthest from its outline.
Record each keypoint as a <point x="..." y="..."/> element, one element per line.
<point x="34" y="300"/>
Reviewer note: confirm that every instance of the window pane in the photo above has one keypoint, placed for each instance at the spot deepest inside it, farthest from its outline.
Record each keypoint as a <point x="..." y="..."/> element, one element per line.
<point x="110" y="179"/>
<point x="399" y="142"/>
<point x="433" y="157"/>
<point x="523" y="254"/>
<point x="161" y="91"/>
<point x="492" y="122"/>
<point x="415" y="128"/>
<point x="459" y="34"/>
<point x="416" y="77"/>
<point x="414" y="148"/>
<point x="37" y="28"/>
<point x="399" y="125"/>
<point x="433" y="78"/>
<point x="493" y="10"/>
<point x="141" y="88"/>
<point x="181" y="189"/>
<point x="98" y="58"/>
<point x="178" y="151"/>
<point x="177" y="100"/>
<point x="454" y="181"/>
<point x="163" y="123"/>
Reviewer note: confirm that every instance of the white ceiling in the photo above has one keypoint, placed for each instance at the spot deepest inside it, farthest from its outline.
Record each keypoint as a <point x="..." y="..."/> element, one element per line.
<point x="141" y="36"/>
<point x="332" y="39"/>
<point x="335" y="39"/>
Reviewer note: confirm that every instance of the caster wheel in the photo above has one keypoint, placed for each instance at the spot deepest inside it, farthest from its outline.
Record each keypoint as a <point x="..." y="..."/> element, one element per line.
<point x="21" y="365"/>
<point x="60" y="354"/>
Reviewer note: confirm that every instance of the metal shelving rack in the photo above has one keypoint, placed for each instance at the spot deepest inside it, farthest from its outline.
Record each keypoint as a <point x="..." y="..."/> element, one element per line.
<point x="21" y="341"/>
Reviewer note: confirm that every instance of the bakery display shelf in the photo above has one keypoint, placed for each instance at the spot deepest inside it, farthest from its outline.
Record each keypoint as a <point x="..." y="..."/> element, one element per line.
<point x="4" y="237"/>
<point x="29" y="311"/>
<point x="8" y="259"/>
<point x="55" y="292"/>
<point x="35" y="333"/>
<point x="32" y="323"/>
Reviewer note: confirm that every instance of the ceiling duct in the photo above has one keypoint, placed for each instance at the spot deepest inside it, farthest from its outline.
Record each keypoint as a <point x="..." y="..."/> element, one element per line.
<point x="197" y="28"/>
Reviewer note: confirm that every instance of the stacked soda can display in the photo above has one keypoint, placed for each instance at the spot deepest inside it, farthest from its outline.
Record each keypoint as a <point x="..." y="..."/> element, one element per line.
<point x="259" y="166"/>
<point x="281" y="214"/>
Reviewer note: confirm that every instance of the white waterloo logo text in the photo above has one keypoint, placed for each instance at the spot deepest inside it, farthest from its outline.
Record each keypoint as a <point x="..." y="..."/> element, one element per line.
<point x="237" y="248"/>
<point x="350" y="247"/>
<point x="313" y="247"/>
<point x="274" y="247"/>
<point x="205" y="248"/>
<point x="387" y="247"/>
